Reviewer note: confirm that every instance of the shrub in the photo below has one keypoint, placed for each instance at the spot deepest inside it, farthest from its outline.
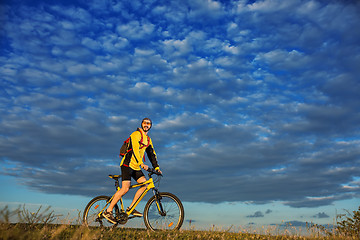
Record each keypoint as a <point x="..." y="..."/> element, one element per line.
<point x="350" y="226"/>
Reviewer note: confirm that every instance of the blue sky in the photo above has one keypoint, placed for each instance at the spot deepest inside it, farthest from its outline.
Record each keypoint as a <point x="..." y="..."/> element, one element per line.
<point x="255" y="104"/>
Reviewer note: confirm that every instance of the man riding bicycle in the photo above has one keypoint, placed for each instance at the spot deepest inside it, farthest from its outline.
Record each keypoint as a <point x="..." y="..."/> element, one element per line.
<point x="131" y="165"/>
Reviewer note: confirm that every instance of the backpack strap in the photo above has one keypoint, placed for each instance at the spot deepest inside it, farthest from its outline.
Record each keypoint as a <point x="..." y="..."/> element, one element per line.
<point x="141" y="142"/>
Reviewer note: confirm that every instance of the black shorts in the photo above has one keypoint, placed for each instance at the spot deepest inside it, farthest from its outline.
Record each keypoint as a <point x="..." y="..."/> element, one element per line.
<point x="127" y="173"/>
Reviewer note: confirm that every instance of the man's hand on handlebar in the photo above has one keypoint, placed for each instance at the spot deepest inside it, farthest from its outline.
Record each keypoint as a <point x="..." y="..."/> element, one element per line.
<point x="145" y="167"/>
<point x="158" y="170"/>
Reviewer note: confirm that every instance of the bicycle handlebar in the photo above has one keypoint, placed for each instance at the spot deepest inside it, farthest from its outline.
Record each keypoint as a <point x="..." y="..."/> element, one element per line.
<point x="153" y="171"/>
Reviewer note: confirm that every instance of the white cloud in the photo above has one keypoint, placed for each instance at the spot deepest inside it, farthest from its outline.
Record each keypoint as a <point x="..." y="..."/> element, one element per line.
<point x="136" y="30"/>
<point x="91" y="43"/>
<point x="284" y="60"/>
<point x="272" y="5"/>
<point x="208" y="9"/>
<point x="177" y="48"/>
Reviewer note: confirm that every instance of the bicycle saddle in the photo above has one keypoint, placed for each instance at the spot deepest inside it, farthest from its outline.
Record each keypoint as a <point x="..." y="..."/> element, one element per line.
<point x="115" y="177"/>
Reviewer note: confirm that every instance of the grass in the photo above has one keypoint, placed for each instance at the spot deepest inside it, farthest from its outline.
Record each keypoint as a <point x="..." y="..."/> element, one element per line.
<point x="39" y="225"/>
<point x="61" y="231"/>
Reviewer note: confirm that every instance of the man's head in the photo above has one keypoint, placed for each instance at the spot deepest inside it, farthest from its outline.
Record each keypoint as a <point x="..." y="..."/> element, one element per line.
<point x="146" y="124"/>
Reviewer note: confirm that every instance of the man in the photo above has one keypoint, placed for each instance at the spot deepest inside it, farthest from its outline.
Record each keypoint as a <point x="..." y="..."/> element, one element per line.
<point x="131" y="165"/>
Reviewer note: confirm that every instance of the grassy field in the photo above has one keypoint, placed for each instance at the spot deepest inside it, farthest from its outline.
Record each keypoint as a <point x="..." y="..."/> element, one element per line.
<point x="39" y="225"/>
<point x="54" y="231"/>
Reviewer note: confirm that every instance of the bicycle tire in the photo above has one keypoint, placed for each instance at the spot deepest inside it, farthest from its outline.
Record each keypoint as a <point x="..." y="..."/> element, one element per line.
<point x="173" y="208"/>
<point x="92" y="209"/>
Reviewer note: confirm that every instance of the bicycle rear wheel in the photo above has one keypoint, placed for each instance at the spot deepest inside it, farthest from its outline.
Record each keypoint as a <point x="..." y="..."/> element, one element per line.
<point x="91" y="216"/>
<point x="173" y="213"/>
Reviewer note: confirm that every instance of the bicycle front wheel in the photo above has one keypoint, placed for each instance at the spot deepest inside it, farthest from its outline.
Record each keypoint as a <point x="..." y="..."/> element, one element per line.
<point x="97" y="205"/>
<point x="172" y="216"/>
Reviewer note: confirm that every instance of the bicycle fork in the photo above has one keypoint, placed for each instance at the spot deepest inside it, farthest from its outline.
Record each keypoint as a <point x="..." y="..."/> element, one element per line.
<point x="158" y="202"/>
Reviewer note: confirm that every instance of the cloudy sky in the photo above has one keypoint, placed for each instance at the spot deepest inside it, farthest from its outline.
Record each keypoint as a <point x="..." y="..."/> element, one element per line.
<point x="255" y="104"/>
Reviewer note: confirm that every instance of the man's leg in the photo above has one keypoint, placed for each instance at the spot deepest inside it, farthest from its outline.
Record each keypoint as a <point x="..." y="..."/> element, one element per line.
<point x="108" y="213"/>
<point x="139" y="191"/>
<point x="125" y="185"/>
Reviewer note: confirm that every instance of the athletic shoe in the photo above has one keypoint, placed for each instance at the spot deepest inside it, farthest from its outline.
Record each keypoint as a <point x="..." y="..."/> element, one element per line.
<point x="109" y="216"/>
<point x="136" y="213"/>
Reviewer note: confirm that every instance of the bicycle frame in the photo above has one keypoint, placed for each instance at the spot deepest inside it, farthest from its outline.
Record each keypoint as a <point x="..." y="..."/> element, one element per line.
<point x="150" y="185"/>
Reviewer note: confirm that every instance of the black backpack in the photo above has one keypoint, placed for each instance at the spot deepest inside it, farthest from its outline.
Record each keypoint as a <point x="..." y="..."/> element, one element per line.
<point x="125" y="147"/>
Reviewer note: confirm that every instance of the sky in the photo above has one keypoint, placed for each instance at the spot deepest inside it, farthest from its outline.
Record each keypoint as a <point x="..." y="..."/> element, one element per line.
<point x="255" y="104"/>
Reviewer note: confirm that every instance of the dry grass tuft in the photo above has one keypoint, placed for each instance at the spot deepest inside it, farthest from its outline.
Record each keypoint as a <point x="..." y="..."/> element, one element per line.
<point x="39" y="225"/>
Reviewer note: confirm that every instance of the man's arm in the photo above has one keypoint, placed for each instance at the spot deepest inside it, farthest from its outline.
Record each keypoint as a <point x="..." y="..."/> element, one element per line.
<point x="150" y="151"/>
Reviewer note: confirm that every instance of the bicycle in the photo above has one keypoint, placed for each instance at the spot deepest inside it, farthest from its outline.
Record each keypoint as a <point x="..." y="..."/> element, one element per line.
<point x="163" y="211"/>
